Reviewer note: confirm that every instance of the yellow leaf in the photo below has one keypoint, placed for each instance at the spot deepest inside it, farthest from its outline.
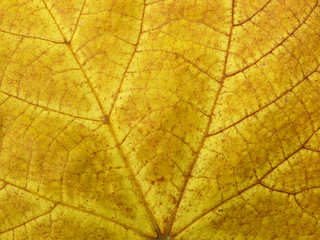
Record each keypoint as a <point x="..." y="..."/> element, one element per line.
<point x="170" y="119"/>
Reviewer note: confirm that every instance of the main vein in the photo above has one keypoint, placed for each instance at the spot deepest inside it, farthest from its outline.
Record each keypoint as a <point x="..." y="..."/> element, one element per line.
<point x="169" y="227"/>
<point x="111" y="129"/>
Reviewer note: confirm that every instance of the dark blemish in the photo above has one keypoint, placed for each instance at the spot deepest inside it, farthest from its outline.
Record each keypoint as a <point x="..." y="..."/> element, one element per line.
<point x="161" y="179"/>
<point x="128" y="209"/>
<point x="220" y="210"/>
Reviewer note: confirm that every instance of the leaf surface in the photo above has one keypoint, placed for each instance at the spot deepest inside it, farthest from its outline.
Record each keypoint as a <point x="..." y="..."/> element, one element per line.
<point x="159" y="119"/>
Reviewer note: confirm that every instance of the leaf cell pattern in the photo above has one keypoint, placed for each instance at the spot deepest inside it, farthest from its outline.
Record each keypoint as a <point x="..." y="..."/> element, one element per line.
<point x="132" y="119"/>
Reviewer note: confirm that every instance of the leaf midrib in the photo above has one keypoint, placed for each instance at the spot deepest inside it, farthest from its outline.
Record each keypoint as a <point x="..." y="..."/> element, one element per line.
<point x="106" y="117"/>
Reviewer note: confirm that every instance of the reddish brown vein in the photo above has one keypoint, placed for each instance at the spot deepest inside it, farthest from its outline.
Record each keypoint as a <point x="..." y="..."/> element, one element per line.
<point x="287" y="192"/>
<point x="32" y="37"/>
<point x="112" y="131"/>
<point x="77" y="22"/>
<point x="304" y="210"/>
<point x="79" y="209"/>
<point x="130" y="60"/>
<point x="186" y="60"/>
<point x="267" y="105"/>
<point x="30" y="220"/>
<point x="245" y="189"/>
<point x="276" y="46"/>
<point x="6" y="67"/>
<point x="49" y="109"/>
<point x="252" y="16"/>
<point x="169" y="227"/>
<point x="189" y="173"/>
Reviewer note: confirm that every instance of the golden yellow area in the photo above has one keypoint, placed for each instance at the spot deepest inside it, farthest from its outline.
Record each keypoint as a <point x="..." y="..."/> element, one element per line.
<point x="160" y="119"/>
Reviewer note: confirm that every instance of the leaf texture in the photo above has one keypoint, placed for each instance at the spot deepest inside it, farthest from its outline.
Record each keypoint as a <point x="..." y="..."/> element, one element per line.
<point x="132" y="119"/>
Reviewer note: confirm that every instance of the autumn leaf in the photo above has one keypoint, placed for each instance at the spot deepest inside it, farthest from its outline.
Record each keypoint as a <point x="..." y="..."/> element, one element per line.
<point x="170" y="119"/>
